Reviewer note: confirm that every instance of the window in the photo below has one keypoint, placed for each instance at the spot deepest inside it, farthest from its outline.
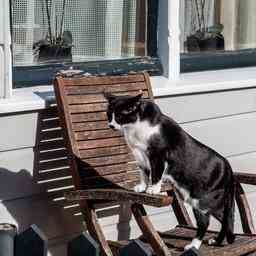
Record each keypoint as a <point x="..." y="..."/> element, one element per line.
<point x="113" y="37"/>
<point x="217" y="34"/>
<point x="98" y="36"/>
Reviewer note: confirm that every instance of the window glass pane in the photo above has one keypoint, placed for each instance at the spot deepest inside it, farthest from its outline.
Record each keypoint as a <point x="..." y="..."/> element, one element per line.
<point x="217" y="25"/>
<point x="46" y="31"/>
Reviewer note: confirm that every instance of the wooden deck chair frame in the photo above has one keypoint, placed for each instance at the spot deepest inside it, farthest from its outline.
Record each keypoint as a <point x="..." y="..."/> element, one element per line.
<point x="81" y="108"/>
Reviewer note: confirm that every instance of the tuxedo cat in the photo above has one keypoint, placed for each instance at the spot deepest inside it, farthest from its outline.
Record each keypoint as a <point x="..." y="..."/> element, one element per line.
<point x="165" y="152"/>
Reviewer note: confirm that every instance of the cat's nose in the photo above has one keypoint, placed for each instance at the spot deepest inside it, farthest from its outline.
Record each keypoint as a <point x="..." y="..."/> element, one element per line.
<point x="111" y="126"/>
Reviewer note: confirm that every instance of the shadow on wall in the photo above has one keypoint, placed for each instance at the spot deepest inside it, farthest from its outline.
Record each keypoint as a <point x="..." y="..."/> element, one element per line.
<point x="39" y="199"/>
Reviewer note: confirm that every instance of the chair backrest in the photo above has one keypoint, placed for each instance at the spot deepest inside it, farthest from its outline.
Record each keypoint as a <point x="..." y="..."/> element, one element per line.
<point x="99" y="156"/>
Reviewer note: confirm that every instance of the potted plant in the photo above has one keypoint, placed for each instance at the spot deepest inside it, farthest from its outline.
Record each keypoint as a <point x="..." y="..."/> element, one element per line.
<point x="205" y="38"/>
<point x="57" y="45"/>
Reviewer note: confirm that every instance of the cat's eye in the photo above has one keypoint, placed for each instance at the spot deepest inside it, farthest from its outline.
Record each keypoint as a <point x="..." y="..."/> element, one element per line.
<point x="127" y="111"/>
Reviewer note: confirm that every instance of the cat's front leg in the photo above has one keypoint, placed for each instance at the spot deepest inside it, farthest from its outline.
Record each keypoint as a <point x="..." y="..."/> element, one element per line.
<point x="154" y="189"/>
<point x="142" y="186"/>
<point x="158" y="168"/>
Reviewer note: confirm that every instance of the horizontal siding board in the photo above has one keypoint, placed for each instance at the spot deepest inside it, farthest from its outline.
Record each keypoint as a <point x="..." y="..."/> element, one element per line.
<point x="229" y="136"/>
<point x="190" y="108"/>
<point x="18" y="131"/>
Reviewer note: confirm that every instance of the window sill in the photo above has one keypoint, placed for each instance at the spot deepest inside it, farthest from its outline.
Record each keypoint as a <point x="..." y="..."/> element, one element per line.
<point x="28" y="99"/>
<point x="203" y="82"/>
<point x="36" y="98"/>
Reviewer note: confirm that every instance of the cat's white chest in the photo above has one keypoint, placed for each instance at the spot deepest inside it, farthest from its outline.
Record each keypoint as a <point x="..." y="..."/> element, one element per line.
<point x="137" y="136"/>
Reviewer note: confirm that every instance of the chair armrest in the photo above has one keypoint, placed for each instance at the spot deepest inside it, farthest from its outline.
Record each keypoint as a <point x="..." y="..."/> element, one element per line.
<point x="119" y="195"/>
<point x="245" y="178"/>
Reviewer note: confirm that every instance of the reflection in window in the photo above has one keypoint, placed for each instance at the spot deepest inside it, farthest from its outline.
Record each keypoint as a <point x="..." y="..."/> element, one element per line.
<point x="77" y="30"/>
<point x="217" y="25"/>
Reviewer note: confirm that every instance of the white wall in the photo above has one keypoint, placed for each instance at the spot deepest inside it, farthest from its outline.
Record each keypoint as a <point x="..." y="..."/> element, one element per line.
<point x="224" y="120"/>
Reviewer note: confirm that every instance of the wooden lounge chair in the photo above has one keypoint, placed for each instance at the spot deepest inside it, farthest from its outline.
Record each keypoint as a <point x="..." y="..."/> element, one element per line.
<point x="104" y="170"/>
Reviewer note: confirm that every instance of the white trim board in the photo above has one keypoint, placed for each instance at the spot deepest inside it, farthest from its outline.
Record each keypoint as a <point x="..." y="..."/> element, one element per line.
<point x="29" y="99"/>
<point x="203" y="82"/>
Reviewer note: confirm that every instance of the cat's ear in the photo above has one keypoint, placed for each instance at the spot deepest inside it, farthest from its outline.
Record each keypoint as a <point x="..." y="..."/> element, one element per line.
<point x="109" y="96"/>
<point x="138" y="97"/>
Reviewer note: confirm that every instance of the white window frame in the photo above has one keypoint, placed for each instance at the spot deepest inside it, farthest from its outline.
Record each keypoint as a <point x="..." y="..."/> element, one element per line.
<point x="171" y="83"/>
<point x="5" y="51"/>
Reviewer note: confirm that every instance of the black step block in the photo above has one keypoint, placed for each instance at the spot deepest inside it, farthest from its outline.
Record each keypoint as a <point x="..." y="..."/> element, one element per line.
<point x="136" y="248"/>
<point x="191" y="252"/>
<point x="83" y="245"/>
<point x="31" y="242"/>
<point x="7" y="235"/>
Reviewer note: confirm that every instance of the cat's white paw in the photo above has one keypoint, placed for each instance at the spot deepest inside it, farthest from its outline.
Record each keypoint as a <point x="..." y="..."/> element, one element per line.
<point x="212" y="241"/>
<point x="154" y="189"/>
<point x="188" y="246"/>
<point x="196" y="243"/>
<point x="140" y="188"/>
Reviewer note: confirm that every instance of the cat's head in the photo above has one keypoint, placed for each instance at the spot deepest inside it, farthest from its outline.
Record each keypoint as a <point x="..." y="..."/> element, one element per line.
<point x="122" y="110"/>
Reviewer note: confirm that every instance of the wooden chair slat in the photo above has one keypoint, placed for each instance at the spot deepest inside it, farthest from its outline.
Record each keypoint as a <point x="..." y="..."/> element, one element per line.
<point x="109" y="169"/>
<point x="181" y="236"/>
<point x="98" y="152"/>
<point x="51" y="145"/>
<point x="116" y="88"/>
<point x="109" y="160"/>
<point x="84" y="108"/>
<point x="95" y="81"/>
<point x="97" y="98"/>
<point x="51" y="134"/>
<point x="110" y="181"/>
<point x="121" y="195"/>
<point x="99" y="143"/>
<point x="59" y="163"/>
<point x="101" y="134"/>
<point x="50" y="123"/>
<point x="88" y="117"/>
<point x="54" y="154"/>
<point x="54" y="174"/>
<point x="49" y="113"/>
<point x="90" y="126"/>
<point x="59" y="184"/>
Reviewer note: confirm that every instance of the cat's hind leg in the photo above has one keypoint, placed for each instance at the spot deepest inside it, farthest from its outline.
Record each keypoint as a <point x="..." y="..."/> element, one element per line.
<point x="142" y="186"/>
<point x="202" y="221"/>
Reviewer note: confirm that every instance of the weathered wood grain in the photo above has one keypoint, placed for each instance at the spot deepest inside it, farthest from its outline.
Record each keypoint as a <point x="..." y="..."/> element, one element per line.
<point x="90" y="126"/>
<point x="119" y="195"/>
<point x="99" y="143"/>
<point x="104" y="80"/>
<point x="117" y="88"/>
<point x="246" y="178"/>
<point x="98" y="98"/>
<point x="107" y="151"/>
<point x="89" y="117"/>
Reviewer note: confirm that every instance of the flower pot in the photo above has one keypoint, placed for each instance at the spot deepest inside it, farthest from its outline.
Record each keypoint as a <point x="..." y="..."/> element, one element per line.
<point x="7" y="235"/>
<point x="54" y="53"/>
<point x="195" y="44"/>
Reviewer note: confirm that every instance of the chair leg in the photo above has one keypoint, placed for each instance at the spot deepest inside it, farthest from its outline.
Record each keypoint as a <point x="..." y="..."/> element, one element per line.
<point x="244" y="210"/>
<point x="179" y="209"/>
<point x="94" y="228"/>
<point x="148" y="230"/>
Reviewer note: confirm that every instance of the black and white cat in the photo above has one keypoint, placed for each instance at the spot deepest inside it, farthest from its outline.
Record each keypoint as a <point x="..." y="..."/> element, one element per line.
<point x="165" y="152"/>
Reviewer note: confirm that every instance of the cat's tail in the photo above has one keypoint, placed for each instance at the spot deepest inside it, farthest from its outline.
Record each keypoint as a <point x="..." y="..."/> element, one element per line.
<point x="229" y="211"/>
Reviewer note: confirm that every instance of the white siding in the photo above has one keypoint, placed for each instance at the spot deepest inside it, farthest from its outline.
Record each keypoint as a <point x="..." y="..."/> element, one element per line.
<point x="224" y="120"/>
